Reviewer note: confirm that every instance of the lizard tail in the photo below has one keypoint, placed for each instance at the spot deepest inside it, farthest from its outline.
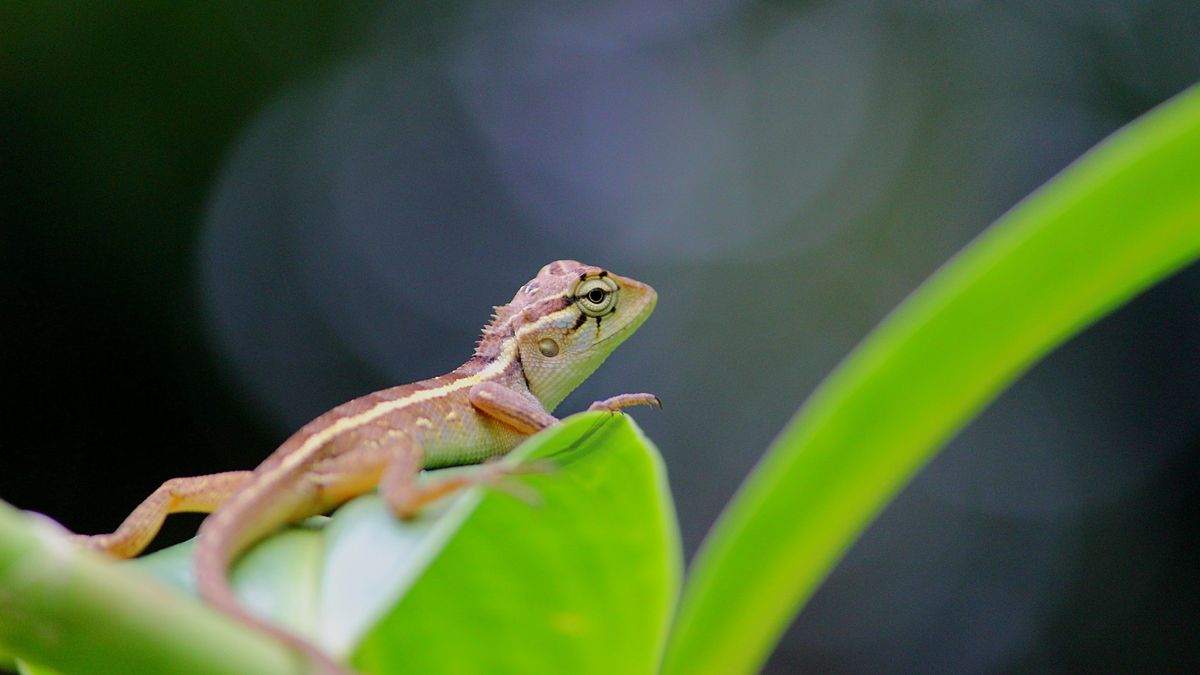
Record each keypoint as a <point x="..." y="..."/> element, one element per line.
<point x="247" y="517"/>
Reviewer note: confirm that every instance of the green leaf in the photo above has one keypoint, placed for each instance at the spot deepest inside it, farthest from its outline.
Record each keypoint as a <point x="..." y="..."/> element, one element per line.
<point x="583" y="581"/>
<point x="26" y="668"/>
<point x="584" y="584"/>
<point x="1121" y="218"/>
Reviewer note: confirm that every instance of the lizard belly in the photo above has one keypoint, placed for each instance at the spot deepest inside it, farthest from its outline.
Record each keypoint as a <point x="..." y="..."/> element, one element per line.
<point x="467" y="437"/>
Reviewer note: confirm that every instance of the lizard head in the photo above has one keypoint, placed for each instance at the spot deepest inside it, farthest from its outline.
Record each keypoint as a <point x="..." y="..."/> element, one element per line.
<point x="564" y="323"/>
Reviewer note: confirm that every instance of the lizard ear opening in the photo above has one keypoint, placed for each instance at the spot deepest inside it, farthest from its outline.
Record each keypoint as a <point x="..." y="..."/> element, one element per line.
<point x="548" y="347"/>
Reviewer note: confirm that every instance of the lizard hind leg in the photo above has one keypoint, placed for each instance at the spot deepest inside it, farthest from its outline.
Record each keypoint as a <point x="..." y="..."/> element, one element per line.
<point x="196" y="494"/>
<point x="406" y="497"/>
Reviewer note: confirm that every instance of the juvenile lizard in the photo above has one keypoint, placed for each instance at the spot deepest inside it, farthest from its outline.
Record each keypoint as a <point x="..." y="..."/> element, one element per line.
<point x="555" y="332"/>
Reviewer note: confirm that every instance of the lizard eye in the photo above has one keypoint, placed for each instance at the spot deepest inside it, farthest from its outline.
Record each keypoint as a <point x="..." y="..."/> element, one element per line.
<point x="596" y="296"/>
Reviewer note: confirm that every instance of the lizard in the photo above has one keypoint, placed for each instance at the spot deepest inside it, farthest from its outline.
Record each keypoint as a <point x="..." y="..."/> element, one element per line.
<point x="558" y="328"/>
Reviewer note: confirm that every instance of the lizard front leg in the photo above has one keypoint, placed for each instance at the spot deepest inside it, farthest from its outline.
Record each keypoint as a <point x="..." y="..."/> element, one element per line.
<point x="523" y="412"/>
<point x="196" y="494"/>
<point x="519" y="411"/>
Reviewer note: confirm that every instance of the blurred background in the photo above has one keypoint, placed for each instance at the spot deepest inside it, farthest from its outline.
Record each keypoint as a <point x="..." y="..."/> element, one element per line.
<point x="221" y="219"/>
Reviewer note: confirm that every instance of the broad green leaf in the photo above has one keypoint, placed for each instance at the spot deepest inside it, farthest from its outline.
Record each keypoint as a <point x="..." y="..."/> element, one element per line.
<point x="585" y="583"/>
<point x="1121" y="218"/>
<point x="583" y="580"/>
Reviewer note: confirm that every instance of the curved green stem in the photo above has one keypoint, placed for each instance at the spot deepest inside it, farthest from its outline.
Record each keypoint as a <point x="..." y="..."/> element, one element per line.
<point x="65" y="608"/>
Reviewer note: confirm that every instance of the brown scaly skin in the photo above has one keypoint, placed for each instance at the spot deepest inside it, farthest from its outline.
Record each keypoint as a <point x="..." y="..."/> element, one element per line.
<point x="555" y="332"/>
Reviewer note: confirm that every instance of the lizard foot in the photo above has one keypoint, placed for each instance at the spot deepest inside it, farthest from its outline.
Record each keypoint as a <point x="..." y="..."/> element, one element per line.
<point x="502" y="478"/>
<point x="615" y="403"/>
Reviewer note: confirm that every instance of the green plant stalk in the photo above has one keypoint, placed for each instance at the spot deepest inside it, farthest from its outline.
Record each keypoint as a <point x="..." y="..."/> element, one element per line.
<point x="65" y="608"/>
<point x="1122" y="217"/>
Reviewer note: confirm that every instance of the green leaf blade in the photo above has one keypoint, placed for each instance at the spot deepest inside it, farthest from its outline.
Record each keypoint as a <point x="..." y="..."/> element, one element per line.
<point x="1121" y="218"/>
<point x="372" y="560"/>
<point x="583" y="582"/>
